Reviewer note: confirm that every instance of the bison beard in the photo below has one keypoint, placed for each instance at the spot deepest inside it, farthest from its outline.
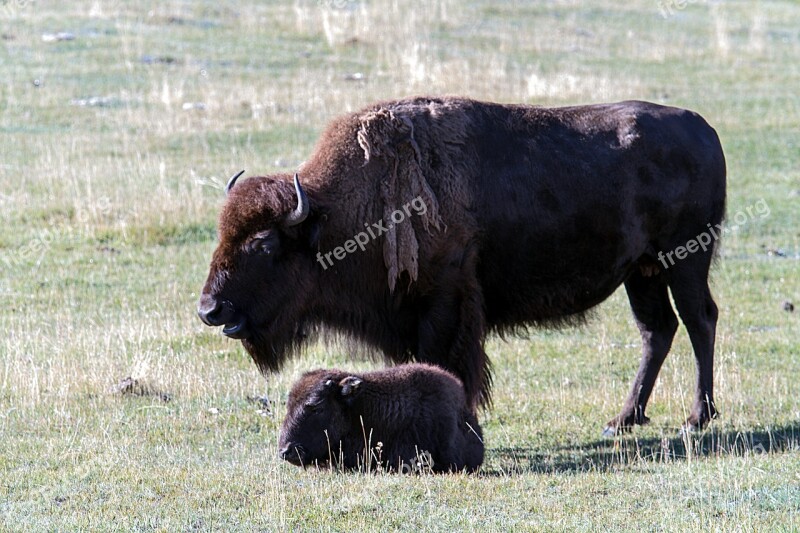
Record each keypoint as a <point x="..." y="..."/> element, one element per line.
<point x="534" y="216"/>
<point x="269" y="351"/>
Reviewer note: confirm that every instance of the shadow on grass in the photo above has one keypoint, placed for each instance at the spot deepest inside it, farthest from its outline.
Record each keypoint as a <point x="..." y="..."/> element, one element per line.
<point x="629" y="451"/>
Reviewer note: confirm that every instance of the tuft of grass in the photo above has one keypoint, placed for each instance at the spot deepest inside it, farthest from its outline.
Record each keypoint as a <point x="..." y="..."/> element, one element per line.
<point x="116" y="146"/>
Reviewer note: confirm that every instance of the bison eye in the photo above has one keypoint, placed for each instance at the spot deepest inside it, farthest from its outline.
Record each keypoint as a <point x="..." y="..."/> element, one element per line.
<point x="263" y="244"/>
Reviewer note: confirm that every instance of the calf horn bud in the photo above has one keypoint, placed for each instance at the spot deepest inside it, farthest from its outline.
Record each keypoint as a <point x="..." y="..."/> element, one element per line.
<point x="301" y="211"/>
<point x="231" y="182"/>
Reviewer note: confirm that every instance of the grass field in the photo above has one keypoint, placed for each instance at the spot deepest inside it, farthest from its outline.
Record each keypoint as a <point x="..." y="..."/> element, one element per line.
<point x="115" y="146"/>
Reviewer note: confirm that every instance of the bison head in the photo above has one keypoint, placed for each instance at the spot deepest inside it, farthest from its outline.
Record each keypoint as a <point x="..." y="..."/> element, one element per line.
<point x="317" y="417"/>
<point x="263" y="272"/>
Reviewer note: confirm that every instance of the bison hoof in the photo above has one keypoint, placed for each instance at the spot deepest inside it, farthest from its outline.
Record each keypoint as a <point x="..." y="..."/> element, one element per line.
<point x="610" y="432"/>
<point x="623" y="423"/>
<point x="698" y="420"/>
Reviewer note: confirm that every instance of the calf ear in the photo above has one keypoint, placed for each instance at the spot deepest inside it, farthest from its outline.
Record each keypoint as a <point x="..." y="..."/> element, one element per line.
<point x="350" y="387"/>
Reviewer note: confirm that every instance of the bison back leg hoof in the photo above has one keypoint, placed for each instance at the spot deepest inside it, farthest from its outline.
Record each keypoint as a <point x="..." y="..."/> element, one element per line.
<point x="623" y="423"/>
<point x="699" y="418"/>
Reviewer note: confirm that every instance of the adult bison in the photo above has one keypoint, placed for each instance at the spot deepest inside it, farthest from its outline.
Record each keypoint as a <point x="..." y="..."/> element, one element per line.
<point x="531" y="217"/>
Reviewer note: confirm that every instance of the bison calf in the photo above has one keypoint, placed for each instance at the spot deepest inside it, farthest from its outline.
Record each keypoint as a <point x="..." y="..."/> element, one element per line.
<point x="400" y="418"/>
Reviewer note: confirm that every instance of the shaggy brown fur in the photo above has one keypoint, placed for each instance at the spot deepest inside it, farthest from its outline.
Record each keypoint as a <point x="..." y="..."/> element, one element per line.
<point x="398" y="416"/>
<point x="534" y="216"/>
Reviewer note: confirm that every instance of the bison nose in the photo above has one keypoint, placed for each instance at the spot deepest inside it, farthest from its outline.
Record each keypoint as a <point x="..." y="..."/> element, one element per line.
<point x="213" y="312"/>
<point x="294" y="453"/>
<point x="222" y="313"/>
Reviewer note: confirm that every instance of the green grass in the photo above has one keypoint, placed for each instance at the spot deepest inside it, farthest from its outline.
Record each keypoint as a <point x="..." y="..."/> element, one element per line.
<point x="107" y="223"/>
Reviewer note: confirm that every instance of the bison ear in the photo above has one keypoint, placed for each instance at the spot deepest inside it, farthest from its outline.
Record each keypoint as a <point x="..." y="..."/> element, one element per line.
<point x="349" y="387"/>
<point x="310" y="231"/>
<point x="315" y="230"/>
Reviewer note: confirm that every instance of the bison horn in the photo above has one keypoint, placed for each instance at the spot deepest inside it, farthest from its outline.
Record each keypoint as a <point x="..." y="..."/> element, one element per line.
<point x="301" y="211"/>
<point x="231" y="182"/>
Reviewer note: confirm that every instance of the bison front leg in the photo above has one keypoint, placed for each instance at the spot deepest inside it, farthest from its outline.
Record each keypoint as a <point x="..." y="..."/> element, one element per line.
<point x="657" y="324"/>
<point x="452" y="328"/>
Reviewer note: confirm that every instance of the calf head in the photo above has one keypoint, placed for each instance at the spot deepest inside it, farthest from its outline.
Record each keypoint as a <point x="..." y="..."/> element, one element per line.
<point x="319" y="417"/>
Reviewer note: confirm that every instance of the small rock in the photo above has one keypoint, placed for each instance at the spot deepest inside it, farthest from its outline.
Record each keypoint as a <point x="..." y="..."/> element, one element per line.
<point x="135" y="387"/>
<point x="262" y="401"/>
<point x="761" y="329"/>
<point x="355" y="76"/>
<point x="776" y="252"/>
<point x="188" y="106"/>
<point x="349" y="5"/>
<point x="788" y="306"/>
<point x="213" y="411"/>
<point x="164" y="60"/>
<point x="265" y="406"/>
<point x="60" y="36"/>
<point x="95" y="101"/>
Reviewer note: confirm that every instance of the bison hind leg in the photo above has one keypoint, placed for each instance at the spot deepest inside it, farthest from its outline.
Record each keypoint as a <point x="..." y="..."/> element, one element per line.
<point x="698" y="311"/>
<point x="657" y="323"/>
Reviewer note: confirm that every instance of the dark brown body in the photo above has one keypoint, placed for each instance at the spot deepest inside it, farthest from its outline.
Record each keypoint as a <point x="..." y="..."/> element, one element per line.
<point x="533" y="216"/>
<point x="407" y="418"/>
